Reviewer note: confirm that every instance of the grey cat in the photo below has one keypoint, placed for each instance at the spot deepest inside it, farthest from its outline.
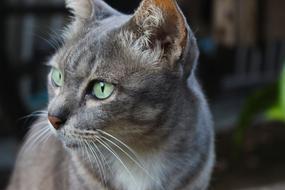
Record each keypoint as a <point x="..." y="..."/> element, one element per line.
<point x="125" y="110"/>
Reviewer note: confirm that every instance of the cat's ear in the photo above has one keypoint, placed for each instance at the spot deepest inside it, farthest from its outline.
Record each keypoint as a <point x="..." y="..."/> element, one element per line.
<point x="161" y="22"/>
<point x="95" y="9"/>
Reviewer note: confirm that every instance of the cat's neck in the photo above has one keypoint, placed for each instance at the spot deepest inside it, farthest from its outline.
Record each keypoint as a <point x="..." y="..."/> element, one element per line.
<point x="146" y="170"/>
<point x="82" y="175"/>
<point x="141" y="172"/>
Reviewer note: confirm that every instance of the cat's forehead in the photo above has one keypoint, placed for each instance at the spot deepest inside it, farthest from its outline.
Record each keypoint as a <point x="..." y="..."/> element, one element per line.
<point x="99" y="49"/>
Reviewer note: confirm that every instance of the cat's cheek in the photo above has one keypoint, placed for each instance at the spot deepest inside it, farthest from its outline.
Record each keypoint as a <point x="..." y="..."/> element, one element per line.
<point x="53" y="91"/>
<point x="146" y="113"/>
<point x="91" y="103"/>
<point x="56" y="90"/>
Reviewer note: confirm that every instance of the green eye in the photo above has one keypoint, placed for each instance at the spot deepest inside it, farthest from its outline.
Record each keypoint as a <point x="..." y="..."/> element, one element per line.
<point x="57" y="77"/>
<point x="102" y="90"/>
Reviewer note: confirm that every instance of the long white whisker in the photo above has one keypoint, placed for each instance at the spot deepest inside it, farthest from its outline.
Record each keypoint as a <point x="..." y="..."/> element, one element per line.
<point x="125" y="152"/>
<point x="28" y="118"/>
<point x="29" y="136"/>
<point x="39" y="124"/>
<point x="81" y="145"/>
<point x="101" y="141"/>
<point x="45" y="139"/>
<point x="33" y="115"/>
<point x="121" y="142"/>
<point x="40" y="136"/>
<point x="102" y="156"/>
<point x="86" y="151"/>
<point x="101" y="160"/>
<point x="129" y="156"/>
<point x="56" y="37"/>
<point x="97" y="160"/>
<point x="135" y="160"/>
<point x="30" y="144"/>
<point x="47" y="41"/>
<point x="33" y="136"/>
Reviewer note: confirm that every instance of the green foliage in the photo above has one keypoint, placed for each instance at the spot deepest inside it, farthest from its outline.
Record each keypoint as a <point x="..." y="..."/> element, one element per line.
<point x="277" y="111"/>
<point x="269" y="101"/>
<point x="255" y="104"/>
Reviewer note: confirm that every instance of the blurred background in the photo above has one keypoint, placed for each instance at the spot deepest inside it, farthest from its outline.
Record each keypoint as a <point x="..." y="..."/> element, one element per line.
<point x="242" y="70"/>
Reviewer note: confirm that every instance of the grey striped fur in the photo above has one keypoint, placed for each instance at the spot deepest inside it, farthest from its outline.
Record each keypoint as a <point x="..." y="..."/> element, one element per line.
<point x="154" y="133"/>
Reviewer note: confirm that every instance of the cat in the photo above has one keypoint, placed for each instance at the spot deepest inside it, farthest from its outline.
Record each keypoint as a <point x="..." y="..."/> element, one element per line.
<point x="125" y="109"/>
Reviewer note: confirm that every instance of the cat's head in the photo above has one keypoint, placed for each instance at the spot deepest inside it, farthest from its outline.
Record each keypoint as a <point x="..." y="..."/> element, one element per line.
<point x="120" y="75"/>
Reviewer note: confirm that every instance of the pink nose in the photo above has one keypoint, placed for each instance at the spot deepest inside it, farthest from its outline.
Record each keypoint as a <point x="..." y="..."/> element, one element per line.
<point x="55" y="121"/>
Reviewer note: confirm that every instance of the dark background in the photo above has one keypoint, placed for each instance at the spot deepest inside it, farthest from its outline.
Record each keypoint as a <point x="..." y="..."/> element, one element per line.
<point x="242" y="44"/>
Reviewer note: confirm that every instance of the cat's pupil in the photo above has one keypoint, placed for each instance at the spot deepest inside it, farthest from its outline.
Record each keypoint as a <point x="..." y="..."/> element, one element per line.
<point x="102" y="87"/>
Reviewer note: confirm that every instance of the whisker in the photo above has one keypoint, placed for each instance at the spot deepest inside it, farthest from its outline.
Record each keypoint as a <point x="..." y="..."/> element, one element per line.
<point x="97" y="161"/>
<point x="39" y="137"/>
<point x="121" y="142"/>
<point x="135" y="160"/>
<point x="86" y="152"/>
<point x="45" y="139"/>
<point x="50" y="43"/>
<point x="56" y="37"/>
<point x="127" y="154"/>
<point x="139" y="164"/>
<point x="117" y="157"/>
<point x="34" y="138"/>
<point x="81" y="145"/>
<point x="102" y="156"/>
<point x="31" y="136"/>
<point x="34" y="114"/>
<point x="102" y="160"/>
<point x="121" y="149"/>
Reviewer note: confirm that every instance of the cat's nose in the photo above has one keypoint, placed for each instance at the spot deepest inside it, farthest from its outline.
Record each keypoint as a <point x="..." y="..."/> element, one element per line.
<point x="56" y="122"/>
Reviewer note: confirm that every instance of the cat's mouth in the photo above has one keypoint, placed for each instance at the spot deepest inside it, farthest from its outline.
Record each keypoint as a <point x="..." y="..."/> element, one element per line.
<point x="70" y="142"/>
<point x="72" y="145"/>
<point x="75" y="138"/>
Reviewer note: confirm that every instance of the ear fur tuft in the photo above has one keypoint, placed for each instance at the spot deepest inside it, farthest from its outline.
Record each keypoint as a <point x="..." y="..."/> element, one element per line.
<point x="86" y="9"/>
<point x="80" y="8"/>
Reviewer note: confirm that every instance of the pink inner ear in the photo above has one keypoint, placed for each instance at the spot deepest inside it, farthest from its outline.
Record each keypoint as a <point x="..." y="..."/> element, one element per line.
<point x="167" y="5"/>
